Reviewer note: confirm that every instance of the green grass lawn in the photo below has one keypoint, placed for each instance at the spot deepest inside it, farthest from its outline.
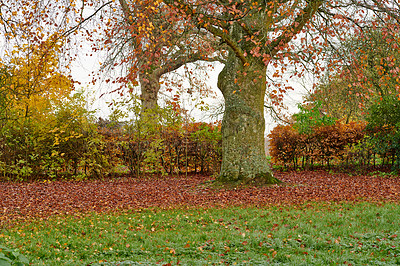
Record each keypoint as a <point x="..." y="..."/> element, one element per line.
<point x="313" y="234"/>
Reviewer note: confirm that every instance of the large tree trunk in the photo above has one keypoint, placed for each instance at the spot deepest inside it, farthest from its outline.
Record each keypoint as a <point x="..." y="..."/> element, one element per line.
<point x="150" y="86"/>
<point x="243" y="154"/>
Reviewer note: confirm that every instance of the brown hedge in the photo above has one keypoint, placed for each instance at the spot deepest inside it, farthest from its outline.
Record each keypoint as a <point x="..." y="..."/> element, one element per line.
<point x="323" y="145"/>
<point x="191" y="147"/>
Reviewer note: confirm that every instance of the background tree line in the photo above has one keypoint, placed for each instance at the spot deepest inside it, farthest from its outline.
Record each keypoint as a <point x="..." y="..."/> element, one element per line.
<point x="353" y="116"/>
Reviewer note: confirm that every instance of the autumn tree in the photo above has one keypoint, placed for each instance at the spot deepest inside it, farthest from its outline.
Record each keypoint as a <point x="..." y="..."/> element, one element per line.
<point x="4" y="96"/>
<point x="333" y="96"/>
<point x="31" y="85"/>
<point x="37" y="51"/>
<point x="255" y="33"/>
<point x="45" y="130"/>
<point x="261" y="35"/>
<point x="369" y="71"/>
<point x="148" y="41"/>
<point x="34" y="83"/>
<point x="48" y="25"/>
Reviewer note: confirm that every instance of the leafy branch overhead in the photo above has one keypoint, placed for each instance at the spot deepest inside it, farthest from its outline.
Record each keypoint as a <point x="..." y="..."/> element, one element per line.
<point x="256" y="20"/>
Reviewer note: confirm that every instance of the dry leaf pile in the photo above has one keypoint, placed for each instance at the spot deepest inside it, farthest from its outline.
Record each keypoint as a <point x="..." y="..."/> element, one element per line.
<point x="42" y="199"/>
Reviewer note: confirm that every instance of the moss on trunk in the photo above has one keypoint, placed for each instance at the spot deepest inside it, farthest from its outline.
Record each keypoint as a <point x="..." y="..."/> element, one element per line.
<point x="243" y="154"/>
<point x="150" y="86"/>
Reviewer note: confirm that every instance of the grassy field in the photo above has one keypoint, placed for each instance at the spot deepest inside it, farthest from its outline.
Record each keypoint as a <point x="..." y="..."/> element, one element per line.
<point x="316" y="234"/>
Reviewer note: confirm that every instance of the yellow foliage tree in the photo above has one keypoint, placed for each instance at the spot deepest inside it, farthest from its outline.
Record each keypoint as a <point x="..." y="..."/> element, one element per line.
<point x="35" y="81"/>
<point x="32" y="87"/>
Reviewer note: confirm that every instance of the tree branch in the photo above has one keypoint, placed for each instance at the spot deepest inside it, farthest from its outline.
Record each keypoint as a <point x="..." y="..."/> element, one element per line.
<point x="276" y="114"/>
<point x="297" y="25"/>
<point x="207" y="25"/>
<point x="71" y="30"/>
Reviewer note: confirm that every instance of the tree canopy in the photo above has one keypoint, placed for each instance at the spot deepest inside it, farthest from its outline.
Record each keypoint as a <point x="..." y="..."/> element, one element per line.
<point x="368" y="73"/>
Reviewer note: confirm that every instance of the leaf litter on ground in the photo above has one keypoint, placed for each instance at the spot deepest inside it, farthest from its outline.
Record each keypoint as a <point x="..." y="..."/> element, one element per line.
<point x="41" y="199"/>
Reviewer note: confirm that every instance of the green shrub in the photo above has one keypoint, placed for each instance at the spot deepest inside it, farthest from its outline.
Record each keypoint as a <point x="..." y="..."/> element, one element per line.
<point x="63" y="143"/>
<point x="384" y="129"/>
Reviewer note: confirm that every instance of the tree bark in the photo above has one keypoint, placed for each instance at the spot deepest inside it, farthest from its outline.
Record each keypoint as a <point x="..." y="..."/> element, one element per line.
<point x="243" y="154"/>
<point x="150" y="86"/>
